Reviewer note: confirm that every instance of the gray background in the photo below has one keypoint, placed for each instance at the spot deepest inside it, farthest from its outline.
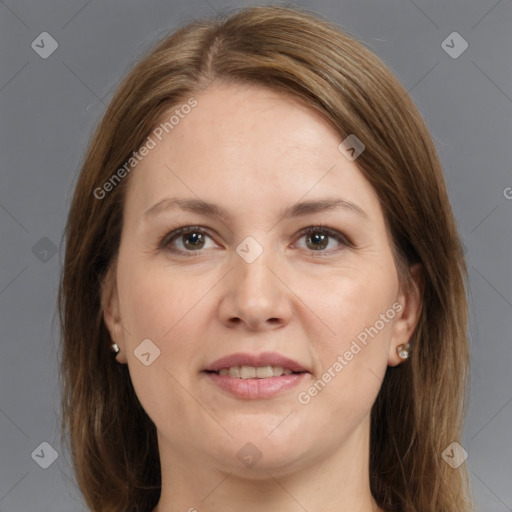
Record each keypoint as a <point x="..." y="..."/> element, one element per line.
<point x="50" y="106"/>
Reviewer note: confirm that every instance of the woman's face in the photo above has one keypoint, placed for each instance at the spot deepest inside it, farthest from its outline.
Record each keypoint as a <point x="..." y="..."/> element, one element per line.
<point x="251" y="288"/>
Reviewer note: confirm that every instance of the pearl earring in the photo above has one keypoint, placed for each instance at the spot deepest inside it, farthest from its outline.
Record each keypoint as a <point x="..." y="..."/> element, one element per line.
<point x="403" y="351"/>
<point x="115" y="347"/>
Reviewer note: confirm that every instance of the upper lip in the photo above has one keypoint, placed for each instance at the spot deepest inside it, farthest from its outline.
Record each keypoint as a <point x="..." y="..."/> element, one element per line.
<point x="262" y="359"/>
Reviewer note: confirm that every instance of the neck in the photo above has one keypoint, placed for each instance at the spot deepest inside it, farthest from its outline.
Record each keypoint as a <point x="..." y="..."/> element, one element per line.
<point x="338" y="482"/>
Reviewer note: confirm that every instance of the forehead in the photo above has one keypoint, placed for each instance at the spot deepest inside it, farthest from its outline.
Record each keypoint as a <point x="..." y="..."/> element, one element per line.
<point x="245" y="145"/>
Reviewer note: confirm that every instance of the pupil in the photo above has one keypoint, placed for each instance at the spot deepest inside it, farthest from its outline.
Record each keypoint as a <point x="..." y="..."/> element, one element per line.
<point x="322" y="239"/>
<point x="195" y="238"/>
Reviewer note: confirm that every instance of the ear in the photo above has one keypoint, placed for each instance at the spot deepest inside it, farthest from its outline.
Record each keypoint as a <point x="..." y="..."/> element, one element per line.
<point x="110" y="309"/>
<point x="410" y="299"/>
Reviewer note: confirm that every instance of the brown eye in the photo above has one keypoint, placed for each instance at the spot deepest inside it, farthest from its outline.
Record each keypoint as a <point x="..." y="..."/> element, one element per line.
<point x="187" y="239"/>
<point x="193" y="240"/>
<point x="318" y="238"/>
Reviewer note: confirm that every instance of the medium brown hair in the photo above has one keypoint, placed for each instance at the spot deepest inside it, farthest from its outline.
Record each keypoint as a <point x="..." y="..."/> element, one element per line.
<point x="421" y="406"/>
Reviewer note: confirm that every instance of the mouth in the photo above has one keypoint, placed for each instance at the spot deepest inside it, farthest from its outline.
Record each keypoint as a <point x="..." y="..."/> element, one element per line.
<point x="255" y="376"/>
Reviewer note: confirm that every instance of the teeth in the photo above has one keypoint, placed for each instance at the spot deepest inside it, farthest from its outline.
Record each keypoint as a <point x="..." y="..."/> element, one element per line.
<point x="265" y="371"/>
<point x="247" y="372"/>
<point x="234" y="372"/>
<point x="251" y="372"/>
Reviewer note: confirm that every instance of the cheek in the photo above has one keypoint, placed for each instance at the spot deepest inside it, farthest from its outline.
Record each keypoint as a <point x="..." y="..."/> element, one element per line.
<point x="351" y="300"/>
<point x="157" y="305"/>
<point x="353" y="357"/>
<point x="167" y="307"/>
<point x="155" y="300"/>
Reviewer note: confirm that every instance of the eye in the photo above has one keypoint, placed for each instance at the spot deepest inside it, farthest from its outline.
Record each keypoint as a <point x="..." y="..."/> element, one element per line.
<point x="185" y="239"/>
<point x="319" y="238"/>
<point x="189" y="239"/>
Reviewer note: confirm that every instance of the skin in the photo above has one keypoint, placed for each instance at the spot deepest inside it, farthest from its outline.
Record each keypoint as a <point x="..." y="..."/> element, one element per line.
<point x="255" y="152"/>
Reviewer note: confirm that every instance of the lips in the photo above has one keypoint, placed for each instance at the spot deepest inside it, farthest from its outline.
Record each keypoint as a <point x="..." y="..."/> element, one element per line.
<point x="263" y="359"/>
<point x="255" y="376"/>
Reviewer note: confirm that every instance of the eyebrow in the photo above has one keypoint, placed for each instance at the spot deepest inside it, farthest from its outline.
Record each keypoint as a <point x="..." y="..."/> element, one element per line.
<point x="299" y="209"/>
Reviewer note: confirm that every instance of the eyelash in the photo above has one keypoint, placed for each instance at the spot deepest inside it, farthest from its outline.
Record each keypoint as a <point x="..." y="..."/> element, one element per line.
<point x="165" y="241"/>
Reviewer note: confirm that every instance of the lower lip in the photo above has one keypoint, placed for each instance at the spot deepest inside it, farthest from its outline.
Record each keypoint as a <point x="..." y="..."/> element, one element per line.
<point x="256" y="388"/>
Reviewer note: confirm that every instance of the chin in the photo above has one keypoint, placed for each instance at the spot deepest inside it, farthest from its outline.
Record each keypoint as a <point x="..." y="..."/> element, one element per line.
<point x="253" y="455"/>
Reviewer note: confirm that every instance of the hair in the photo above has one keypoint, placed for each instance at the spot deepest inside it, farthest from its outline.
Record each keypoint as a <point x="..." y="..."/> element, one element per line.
<point x="421" y="405"/>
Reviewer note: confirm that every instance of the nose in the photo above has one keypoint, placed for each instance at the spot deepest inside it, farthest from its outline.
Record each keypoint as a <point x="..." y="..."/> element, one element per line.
<point x="255" y="295"/>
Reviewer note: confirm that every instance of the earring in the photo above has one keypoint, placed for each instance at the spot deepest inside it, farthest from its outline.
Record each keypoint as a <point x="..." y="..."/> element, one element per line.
<point x="403" y="351"/>
<point x="115" y="348"/>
